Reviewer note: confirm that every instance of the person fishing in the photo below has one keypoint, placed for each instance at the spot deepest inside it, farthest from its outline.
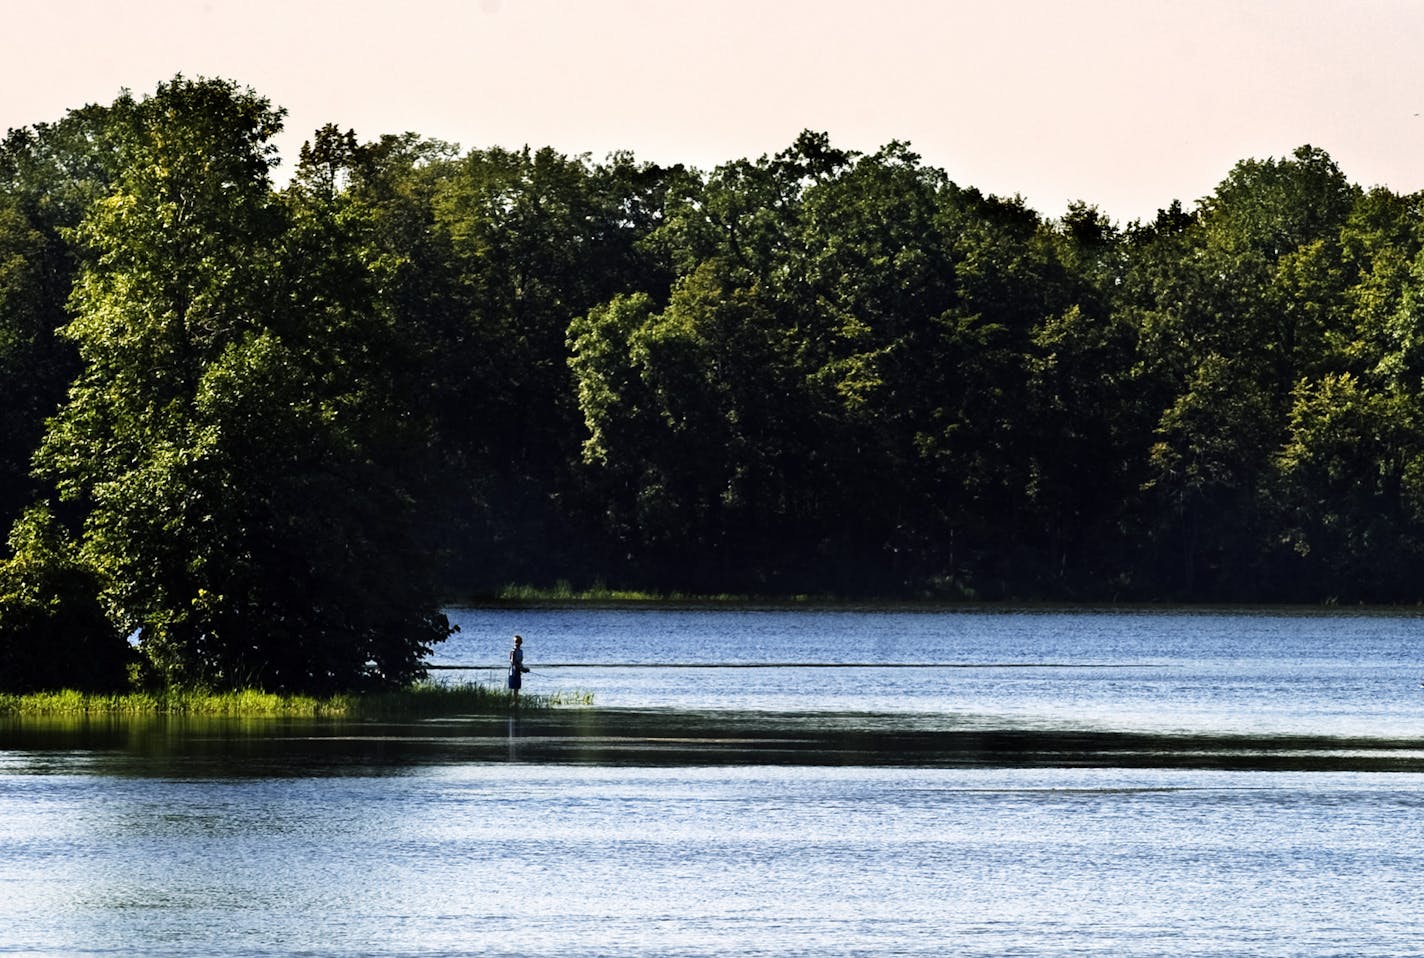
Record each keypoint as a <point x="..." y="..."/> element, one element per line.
<point x="516" y="667"/>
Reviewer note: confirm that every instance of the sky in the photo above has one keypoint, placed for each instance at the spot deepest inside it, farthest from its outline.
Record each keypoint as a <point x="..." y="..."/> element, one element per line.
<point x="1124" y="104"/>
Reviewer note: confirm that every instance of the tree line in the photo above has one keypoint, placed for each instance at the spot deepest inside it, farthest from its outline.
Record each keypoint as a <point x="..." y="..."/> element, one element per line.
<point x="265" y="429"/>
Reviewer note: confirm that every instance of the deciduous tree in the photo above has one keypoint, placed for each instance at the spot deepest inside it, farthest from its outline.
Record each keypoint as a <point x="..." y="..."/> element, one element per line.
<point x="231" y="441"/>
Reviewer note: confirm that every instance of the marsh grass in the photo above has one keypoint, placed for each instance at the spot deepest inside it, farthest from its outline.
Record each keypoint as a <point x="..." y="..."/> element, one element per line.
<point x="170" y="702"/>
<point x="430" y="698"/>
<point x="425" y="699"/>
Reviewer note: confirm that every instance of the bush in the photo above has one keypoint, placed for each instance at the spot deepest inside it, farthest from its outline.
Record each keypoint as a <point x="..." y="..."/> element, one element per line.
<point x="54" y="633"/>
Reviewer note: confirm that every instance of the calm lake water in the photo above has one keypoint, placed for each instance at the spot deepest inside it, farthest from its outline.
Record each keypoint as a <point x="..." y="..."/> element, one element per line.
<point x="768" y="783"/>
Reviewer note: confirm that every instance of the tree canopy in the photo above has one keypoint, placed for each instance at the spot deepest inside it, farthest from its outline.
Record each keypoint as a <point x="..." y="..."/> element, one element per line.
<point x="239" y="468"/>
<point x="271" y="426"/>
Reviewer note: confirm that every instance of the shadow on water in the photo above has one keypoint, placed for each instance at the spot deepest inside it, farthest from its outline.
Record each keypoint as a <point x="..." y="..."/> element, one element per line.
<point x="187" y="747"/>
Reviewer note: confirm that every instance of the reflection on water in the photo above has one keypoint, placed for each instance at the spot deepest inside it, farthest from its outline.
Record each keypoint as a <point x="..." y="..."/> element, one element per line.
<point x="218" y="747"/>
<point x="1239" y="786"/>
<point x="572" y="859"/>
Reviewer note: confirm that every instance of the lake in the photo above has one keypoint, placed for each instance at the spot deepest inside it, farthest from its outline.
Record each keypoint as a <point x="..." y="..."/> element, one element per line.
<point x="767" y="782"/>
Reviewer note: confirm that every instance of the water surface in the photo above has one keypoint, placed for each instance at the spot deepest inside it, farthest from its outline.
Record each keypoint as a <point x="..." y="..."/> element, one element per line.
<point x="1225" y="672"/>
<point x="767" y="783"/>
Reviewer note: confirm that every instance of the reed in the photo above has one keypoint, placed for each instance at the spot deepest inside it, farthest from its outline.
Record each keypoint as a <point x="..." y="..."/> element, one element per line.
<point x="424" y="699"/>
<point x="430" y="699"/>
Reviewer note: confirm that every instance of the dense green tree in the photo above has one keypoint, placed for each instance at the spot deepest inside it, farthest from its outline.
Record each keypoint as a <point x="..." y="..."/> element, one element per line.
<point x="709" y="473"/>
<point x="49" y="173"/>
<point x="818" y="394"/>
<point x="1232" y="323"/>
<point x="1087" y="427"/>
<point x="486" y="257"/>
<point x="23" y="356"/>
<point x="232" y="440"/>
<point x="54" y="632"/>
<point x="817" y="370"/>
<point x="1353" y="472"/>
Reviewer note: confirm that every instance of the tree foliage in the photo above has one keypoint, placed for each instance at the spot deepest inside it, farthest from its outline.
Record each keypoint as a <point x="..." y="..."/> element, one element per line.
<point x="232" y="442"/>
<point x="54" y="632"/>
<point x="290" y="412"/>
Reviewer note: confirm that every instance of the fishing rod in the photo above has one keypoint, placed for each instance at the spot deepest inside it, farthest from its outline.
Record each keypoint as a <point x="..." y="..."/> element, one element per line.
<point x="477" y="668"/>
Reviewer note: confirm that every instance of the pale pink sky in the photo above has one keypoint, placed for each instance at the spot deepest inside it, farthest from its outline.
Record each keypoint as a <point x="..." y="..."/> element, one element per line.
<point x="1124" y="103"/>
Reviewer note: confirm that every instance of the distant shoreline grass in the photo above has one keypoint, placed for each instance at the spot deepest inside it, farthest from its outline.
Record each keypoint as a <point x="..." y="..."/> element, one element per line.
<point x="424" y="700"/>
<point x="564" y="591"/>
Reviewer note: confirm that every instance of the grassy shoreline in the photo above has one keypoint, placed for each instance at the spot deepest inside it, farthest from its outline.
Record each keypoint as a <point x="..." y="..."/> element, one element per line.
<point x="562" y="594"/>
<point x="417" y="701"/>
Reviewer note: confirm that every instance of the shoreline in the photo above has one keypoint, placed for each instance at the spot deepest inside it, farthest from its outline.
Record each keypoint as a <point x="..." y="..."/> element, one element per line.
<point x="528" y="598"/>
<point x="426" y="700"/>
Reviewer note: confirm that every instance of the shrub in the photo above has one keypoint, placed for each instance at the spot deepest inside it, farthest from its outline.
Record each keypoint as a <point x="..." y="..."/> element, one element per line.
<point x="54" y="633"/>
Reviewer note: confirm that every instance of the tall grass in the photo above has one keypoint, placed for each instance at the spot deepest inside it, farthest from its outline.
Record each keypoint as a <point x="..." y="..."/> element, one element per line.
<point x="424" y="699"/>
<point x="170" y="702"/>
<point x="430" y="698"/>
